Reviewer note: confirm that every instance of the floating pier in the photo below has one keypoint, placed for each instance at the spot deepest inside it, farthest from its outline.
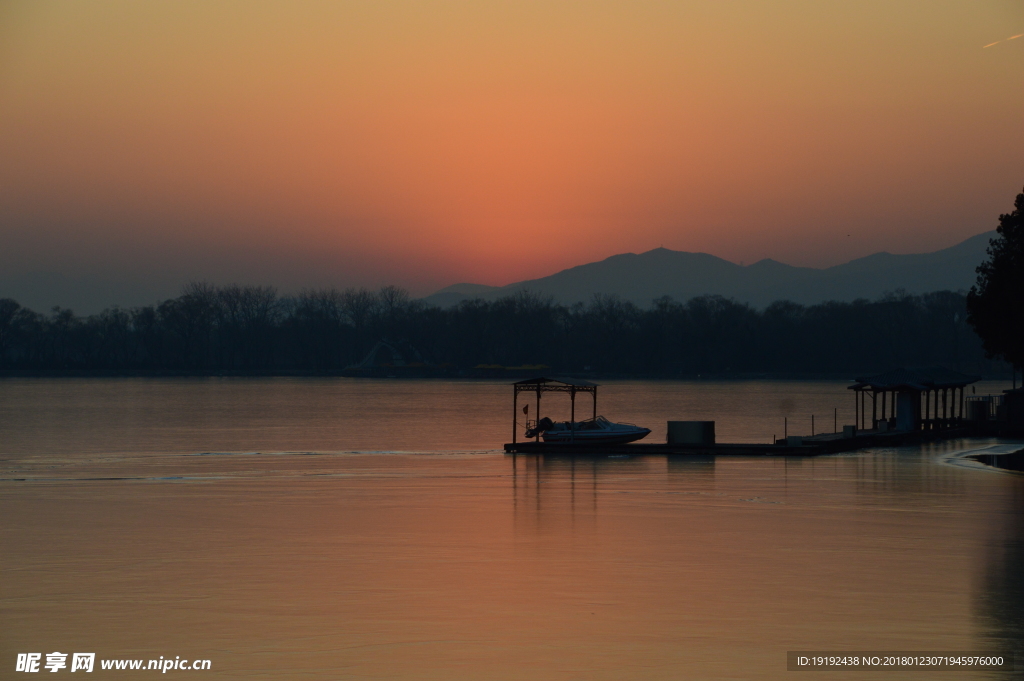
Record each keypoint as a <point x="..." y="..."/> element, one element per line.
<point x="689" y="438"/>
<point x="809" y="446"/>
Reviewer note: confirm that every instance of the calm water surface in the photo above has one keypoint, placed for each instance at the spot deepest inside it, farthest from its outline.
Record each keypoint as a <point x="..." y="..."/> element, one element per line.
<point x="340" y="528"/>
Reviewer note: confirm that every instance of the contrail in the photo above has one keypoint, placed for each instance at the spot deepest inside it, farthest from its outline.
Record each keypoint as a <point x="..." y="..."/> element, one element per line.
<point x="1012" y="37"/>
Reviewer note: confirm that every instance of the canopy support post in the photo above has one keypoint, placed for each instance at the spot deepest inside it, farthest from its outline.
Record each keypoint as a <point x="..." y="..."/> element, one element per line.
<point x="572" y="415"/>
<point x="538" y="413"/>
<point x="515" y="412"/>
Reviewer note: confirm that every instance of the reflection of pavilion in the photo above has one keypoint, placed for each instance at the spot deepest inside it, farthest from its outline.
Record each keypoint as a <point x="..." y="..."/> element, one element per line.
<point x="554" y="483"/>
<point x="912" y="399"/>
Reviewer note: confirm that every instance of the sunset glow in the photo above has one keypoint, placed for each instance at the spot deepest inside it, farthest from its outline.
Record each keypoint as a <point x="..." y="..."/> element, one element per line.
<point x="424" y="144"/>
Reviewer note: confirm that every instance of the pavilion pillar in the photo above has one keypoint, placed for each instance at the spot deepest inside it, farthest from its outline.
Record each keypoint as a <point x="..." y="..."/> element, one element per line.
<point x="856" y="409"/>
<point x="874" y="410"/>
<point x="595" y="402"/>
<point x="920" y="421"/>
<point x="927" y="407"/>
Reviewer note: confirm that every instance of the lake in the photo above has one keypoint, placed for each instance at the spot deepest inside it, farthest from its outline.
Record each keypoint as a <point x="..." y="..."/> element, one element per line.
<point x="371" y="529"/>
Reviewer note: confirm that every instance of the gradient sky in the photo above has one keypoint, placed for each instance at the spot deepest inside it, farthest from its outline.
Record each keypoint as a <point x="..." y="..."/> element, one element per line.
<point x="296" y="143"/>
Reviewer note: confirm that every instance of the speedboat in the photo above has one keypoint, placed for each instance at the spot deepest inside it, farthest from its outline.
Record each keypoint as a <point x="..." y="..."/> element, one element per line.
<point x="592" y="431"/>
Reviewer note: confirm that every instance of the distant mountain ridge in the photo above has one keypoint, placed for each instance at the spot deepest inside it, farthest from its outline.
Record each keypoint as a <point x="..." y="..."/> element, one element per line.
<point x="645" y="277"/>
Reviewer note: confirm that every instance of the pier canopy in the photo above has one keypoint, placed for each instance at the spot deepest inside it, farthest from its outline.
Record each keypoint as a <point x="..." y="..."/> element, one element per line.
<point x="541" y="385"/>
<point x="915" y="398"/>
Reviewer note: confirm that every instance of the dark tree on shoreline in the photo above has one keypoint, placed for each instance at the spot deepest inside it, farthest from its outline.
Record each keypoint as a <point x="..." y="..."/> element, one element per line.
<point x="995" y="305"/>
<point x="250" y="330"/>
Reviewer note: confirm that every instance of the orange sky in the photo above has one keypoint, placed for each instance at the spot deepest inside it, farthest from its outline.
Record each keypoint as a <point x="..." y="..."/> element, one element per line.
<point x="427" y="143"/>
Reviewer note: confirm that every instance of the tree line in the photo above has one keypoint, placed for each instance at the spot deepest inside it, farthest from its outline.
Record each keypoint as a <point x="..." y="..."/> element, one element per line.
<point x="211" y="329"/>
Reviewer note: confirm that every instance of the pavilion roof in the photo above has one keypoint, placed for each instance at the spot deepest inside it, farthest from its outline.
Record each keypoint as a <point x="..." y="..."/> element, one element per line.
<point x="916" y="378"/>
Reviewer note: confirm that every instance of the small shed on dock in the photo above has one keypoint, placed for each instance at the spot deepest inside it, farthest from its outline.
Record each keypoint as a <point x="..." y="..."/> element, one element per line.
<point x="542" y="385"/>
<point x="923" y="398"/>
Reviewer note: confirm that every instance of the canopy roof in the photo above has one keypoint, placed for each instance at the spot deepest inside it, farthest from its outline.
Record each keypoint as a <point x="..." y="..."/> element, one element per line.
<point x="556" y="384"/>
<point x="919" y="378"/>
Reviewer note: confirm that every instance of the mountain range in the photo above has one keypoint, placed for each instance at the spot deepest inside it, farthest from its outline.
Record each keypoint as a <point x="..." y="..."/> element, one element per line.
<point x="644" y="277"/>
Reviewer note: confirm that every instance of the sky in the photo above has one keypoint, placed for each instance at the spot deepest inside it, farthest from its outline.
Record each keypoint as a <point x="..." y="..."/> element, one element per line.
<point x="146" y="144"/>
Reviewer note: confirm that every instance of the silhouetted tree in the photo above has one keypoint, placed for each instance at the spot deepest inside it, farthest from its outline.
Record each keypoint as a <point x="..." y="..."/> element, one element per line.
<point x="995" y="305"/>
<point x="319" y="327"/>
<point x="248" y="316"/>
<point x="360" y="306"/>
<point x="8" y="313"/>
<point x="189" y="320"/>
<point x="61" y="346"/>
<point x="247" y="328"/>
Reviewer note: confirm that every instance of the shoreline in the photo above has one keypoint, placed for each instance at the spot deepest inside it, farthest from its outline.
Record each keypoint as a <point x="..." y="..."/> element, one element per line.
<point x="454" y="375"/>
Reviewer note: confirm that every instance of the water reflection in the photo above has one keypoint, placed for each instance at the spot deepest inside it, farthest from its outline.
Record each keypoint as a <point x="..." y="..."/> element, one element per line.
<point x="908" y="476"/>
<point x="570" y="493"/>
<point x="241" y="510"/>
<point x="1001" y="598"/>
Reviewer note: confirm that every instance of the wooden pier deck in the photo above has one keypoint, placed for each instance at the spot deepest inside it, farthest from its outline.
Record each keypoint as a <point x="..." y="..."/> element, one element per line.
<point x="810" y="446"/>
<point x="652" y="448"/>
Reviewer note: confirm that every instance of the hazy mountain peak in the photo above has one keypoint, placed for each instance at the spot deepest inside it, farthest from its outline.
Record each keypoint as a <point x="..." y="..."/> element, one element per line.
<point x="766" y="263"/>
<point x="683" y="275"/>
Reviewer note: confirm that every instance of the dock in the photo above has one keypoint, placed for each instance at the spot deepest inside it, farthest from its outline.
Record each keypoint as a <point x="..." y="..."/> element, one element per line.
<point x="915" y="406"/>
<point x="831" y="443"/>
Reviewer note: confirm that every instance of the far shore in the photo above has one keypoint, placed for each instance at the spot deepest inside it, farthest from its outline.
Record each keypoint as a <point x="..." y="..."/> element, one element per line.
<point x="440" y="375"/>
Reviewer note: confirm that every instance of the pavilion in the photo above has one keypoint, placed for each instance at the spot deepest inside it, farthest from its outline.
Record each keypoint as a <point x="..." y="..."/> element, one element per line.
<point x="922" y="398"/>
<point x="542" y="385"/>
